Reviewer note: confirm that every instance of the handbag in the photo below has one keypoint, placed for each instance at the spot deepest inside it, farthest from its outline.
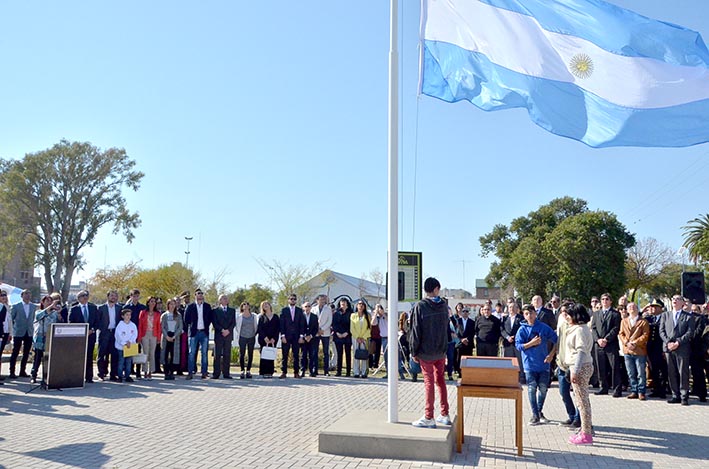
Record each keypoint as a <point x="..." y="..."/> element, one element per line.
<point x="361" y="354"/>
<point x="268" y="353"/>
<point x="140" y="359"/>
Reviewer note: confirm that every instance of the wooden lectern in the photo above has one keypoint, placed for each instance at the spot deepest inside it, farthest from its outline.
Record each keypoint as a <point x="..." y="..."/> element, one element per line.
<point x="489" y="377"/>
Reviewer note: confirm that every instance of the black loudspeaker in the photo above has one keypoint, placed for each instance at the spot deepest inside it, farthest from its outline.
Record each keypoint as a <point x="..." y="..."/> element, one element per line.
<point x="693" y="287"/>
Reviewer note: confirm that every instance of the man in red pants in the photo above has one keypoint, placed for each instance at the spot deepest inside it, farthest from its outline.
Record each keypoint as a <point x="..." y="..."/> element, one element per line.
<point x="428" y="340"/>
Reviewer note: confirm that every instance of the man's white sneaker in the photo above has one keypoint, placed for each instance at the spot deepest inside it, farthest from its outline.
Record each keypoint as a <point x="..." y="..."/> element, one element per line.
<point x="444" y="420"/>
<point x="423" y="422"/>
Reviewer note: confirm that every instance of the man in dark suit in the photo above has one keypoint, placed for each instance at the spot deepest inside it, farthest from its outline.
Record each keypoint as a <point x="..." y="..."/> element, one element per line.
<point x="487" y="333"/>
<point x="605" y="328"/>
<point x="85" y="312"/>
<point x="697" y="354"/>
<point x="198" y="317"/>
<point x="309" y="352"/>
<point x="292" y="334"/>
<point x="466" y="326"/>
<point x="23" y="327"/>
<point x="224" y="324"/>
<point x="109" y="315"/>
<point x="677" y="330"/>
<point x="544" y="315"/>
<point x="652" y="313"/>
<point x="510" y="326"/>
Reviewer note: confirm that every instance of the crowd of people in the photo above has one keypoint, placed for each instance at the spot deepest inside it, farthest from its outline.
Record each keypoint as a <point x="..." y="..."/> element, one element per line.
<point x="613" y="349"/>
<point x="171" y="336"/>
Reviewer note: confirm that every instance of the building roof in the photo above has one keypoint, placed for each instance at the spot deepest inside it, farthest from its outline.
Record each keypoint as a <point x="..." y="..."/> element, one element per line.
<point x="367" y="287"/>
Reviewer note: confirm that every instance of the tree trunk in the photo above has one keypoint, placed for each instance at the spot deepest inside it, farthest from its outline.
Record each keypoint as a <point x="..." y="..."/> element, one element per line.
<point x="67" y="280"/>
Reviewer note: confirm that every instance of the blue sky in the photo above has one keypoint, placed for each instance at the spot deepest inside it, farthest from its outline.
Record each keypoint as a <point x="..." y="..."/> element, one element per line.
<point x="262" y="130"/>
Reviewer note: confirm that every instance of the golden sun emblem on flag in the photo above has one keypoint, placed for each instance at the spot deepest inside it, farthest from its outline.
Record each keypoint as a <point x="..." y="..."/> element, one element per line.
<point x="581" y="66"/>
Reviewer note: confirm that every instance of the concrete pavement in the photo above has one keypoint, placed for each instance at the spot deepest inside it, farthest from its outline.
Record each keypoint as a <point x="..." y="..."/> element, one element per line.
<point x="275" y="423"/>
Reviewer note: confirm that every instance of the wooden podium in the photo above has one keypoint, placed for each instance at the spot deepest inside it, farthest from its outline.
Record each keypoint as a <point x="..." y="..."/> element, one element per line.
<point x="489" y="377"/>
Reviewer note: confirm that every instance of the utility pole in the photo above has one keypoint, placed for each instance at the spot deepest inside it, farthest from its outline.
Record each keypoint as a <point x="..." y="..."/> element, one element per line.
<point x="187" y="252"/>
<point x="462" y="261"/>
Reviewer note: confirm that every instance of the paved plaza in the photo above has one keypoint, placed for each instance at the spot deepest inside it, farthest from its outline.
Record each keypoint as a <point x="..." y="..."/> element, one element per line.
<point x="275" y="423"/>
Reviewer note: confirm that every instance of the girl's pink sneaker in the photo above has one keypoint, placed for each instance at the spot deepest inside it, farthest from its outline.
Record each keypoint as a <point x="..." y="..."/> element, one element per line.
<point x="581" y="439"/>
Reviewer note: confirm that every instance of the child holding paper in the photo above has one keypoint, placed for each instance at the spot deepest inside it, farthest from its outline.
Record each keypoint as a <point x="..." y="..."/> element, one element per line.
<point x="126" y="335"/>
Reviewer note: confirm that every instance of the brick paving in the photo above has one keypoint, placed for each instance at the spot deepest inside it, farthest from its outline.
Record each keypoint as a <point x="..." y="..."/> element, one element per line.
<point x="274" y="423"/>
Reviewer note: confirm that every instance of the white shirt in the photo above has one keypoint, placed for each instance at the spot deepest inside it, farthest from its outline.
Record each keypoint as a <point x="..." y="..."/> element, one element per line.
<point x="111" y="317"/>
<point x="383" y="326"/>
<point x="633" y="320"/>
<point x="675" y="316"/>
<point x="27" y="309"/>
<point x="200" y="316"/>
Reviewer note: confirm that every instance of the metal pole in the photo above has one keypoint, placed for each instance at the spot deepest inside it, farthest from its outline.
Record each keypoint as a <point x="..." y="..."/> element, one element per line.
<point x="187" y="253"/>
<point x="393" y="261"/>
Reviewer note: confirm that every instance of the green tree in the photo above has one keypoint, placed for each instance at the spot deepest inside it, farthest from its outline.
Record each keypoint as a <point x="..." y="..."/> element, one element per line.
<point x="165" y="281"/>
<point x="560" y="247"/>
<point x="696" y="238"/>
<point x="58" y="199"/>
<point x="667" y="283"/>
<point x="588" y="255"/>
<point x="254" y="295"/>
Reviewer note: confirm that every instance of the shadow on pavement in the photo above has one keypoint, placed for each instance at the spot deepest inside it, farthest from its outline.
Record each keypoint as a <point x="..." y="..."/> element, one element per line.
<point x="46" y="406"/>
<point x="84" y="455"/>
<point x="652" y="441"/>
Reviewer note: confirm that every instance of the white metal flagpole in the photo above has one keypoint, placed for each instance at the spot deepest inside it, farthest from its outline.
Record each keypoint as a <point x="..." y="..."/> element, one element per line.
<point x="393" y="261"/>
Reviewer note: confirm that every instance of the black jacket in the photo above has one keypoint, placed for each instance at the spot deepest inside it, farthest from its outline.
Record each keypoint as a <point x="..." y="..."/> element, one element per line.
<point x="510" y="330"/>
<point x="428" y="338"/>
<point x="192" y="317"/>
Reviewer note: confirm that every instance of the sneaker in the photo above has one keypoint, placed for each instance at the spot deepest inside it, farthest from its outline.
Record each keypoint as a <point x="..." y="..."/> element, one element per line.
<point x="423" y="422"/>
<point x="567" y="423"/>
<point x="543" y="419"/>
<point x="534" y="420"/>
<point x="129" y="380"/>
<point x="581" y="439"/>
<point x="444" y="420"/>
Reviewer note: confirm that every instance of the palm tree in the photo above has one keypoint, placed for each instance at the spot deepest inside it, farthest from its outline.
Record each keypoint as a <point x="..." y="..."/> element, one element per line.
<point x="696" y="238"/>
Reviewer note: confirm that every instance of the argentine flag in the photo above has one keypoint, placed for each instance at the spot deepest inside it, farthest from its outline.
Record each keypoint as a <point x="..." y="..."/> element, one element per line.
<point x="584" y="69"/>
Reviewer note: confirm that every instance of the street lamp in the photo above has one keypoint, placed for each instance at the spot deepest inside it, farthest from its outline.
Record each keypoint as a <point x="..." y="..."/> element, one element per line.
<point x="187" y="252"/>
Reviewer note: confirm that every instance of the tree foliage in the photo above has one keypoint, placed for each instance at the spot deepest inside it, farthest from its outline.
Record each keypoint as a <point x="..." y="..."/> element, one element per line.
<point x="562" y="247"/>
<point x="56" y="201"/>
<point x="164" y="281"/>
<point x="696" y="238"/>
<point x="254" y="295"/>
<point x="667" y="282"/>
<point x="644" y="263"/>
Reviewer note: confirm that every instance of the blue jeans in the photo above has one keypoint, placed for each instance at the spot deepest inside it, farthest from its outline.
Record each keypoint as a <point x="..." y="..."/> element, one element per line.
<point x="124" y="364"/>
<point x="537" y="380"/>
<point x="385" y="342"/>
<point x="565" y="390"/>
<point x="450" y="358"/>
<point x="635" y="365"/>
<point x="200" y="340"/>
<point x="325" y="355"/>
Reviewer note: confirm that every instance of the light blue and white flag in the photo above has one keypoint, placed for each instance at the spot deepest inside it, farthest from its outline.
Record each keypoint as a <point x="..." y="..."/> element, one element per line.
<point x="584" y="69"/>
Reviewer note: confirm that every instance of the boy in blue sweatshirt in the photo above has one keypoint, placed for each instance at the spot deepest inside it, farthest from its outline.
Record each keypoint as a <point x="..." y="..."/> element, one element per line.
<point x="532" y="341"/>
